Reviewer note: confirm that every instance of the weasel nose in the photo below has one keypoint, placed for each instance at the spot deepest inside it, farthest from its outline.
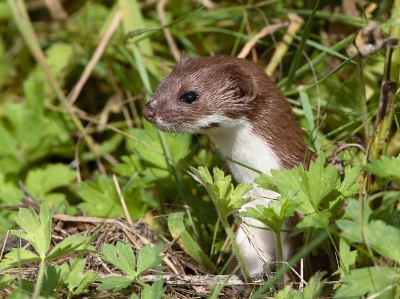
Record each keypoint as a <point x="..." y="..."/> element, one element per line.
<point x="148" y="113"/>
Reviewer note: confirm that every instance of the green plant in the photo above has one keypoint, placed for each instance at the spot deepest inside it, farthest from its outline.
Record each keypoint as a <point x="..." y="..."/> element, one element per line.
<point x="227" y="199"/>
<point x="37" y="232"/>
<point x="64" y="146"/>
<point x="122" y="257"/>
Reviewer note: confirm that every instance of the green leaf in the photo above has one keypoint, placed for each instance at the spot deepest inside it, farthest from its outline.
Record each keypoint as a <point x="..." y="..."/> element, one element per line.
<point x="17" y="257"/>
<point x="179" y="147"/>
<point x="225" y="197"/>
<point x="178" y="231"/>
<point x="41" y="181"/>
<point x="37" y="229"/>
<point x="148" y="257"/>
<point x="236" y="198"/>
<point x="267" y="182"/>
<point x="10" y="194"/>
<point x="130" y="166"/>
<point x="317" y="220"/>
<point x="314" y="286"/>
<point x="350" y="185"/>
<point x="69" y="245"/>
<point x="5" y="281"/>
<point x="274" y="215"/>
<point x="369" y="282"/>
<point x="76" y="279"/>
<point x="51" y="278"/>
<point x="100" y="198"/>
<point x="311" y="187"/>
<point x="28" y="137"/>
<point x="27" y="286"/>
<point x="58" y="56"/>
<point x="386" y="244"/>
<point x="320" y="181"/>
<point x="155" y="291"/>
<point x="288" y="293"/>
<point x="114" y="283"/>
<point x="122" y="257"/>
<point x="89" y="277"/>
<point x="33" y="91"/>
<point x="386" y="167"/>
<point x="305" y="102"/>
<point x="151" y="138"/>
<point x="18" y="294"/>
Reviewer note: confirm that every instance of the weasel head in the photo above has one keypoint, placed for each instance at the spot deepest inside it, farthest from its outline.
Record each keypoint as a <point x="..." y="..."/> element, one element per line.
<point x="203" y="94"/>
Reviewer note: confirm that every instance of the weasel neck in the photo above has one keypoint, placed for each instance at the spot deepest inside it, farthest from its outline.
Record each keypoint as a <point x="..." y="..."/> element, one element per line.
<point x="241" y="144"/>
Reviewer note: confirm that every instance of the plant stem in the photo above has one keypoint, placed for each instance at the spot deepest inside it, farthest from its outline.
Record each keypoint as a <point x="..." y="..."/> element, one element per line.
<point x="239" y="256"/>
<point x="387" y="101"/>
<point x="344" y="255"/>
<point x="280" y="256"/>
<point x="360" y="74"/>
<point x="39" y="281"/>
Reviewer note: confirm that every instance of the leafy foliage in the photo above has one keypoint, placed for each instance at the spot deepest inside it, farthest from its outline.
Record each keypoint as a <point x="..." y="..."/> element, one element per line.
<point x="38" y="234"/>
<point x="371" y="281"/>
<point x="369" y="230"/>
<point x="386" y="167"/>
<point x="65" y="149"/>
<point x="122" y="257"/>
<point x="307" y="191"/>
<point x="227" y="199"/>
<point x="178" y="231"/>
<point x="76" y="280"/>
<point x="155" y="291"/>
<point x="37" y="231"/>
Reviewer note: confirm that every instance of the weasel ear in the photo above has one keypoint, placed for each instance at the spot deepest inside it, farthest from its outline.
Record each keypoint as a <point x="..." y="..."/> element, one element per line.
<point x="184" y="57"/>
<point x="243" y="82"/>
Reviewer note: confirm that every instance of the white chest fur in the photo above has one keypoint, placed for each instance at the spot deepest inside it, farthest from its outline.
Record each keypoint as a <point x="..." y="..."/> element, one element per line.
<point x="239" y="143"/>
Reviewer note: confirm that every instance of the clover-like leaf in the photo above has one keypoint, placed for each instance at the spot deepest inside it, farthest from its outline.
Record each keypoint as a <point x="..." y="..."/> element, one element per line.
<point x="155" y="291"/>
<point x="274" y="215"/>
<point x="148" y="257"/>
<point x="71" y="244"/>
<point x="225" y="197"/>
<point x="313" y="187"/>
<point x="76" y="279"/>
<point x="114" y="283"/>
<point x="316" y="220"/>
<point x="51" y="279"/>
<point x="369" y="281"/>
<point x="386" y="167"/>
<point x="37" y="229"/>
<point x="386" y="244"/>
<point x="122" y="257"/>
<point x="17" y="257"/>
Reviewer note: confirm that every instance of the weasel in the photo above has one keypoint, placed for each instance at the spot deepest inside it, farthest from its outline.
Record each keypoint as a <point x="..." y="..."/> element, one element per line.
<point x="250" y="121"/>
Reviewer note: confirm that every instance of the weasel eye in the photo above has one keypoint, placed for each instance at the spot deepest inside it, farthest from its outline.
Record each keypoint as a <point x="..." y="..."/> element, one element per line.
<point x="189" y="97"/>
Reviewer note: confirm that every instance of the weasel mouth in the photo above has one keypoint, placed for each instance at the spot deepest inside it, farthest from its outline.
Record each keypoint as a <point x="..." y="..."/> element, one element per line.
<point x="169" y="128"/>
<point x="210" y="126"/>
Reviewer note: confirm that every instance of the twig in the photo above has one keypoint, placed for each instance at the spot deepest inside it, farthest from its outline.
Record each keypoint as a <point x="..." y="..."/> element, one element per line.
<point x="294" y="26"/>
<point x="56" y="9"/>
<point x="121" y="198"/>
<point x="95" y="58"/>
<point x="265" y="31"/>
<point x="168" y="36"/>
<point x="200" y="280"/>
<point x="4" y="244"/>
